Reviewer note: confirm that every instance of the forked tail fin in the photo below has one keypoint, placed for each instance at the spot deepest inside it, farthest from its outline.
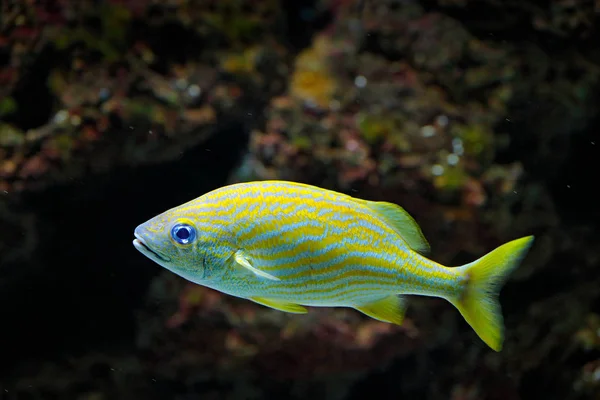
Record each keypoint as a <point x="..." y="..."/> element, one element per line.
<point x="478" y="303"/>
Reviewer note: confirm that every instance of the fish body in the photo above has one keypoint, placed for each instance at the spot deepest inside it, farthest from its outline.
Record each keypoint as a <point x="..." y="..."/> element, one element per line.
<point x="288" y="245"/>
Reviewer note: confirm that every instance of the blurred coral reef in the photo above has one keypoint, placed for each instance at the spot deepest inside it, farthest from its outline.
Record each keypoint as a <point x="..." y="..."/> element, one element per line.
<point x="392" y="101"/>
<point x="116" y="97"/>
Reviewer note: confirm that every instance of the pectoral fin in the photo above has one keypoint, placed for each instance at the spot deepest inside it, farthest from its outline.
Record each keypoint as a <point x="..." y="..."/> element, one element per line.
<point x="389" y="309"/>
<point x="280" y="305"/>
<point x="243" y="260"/>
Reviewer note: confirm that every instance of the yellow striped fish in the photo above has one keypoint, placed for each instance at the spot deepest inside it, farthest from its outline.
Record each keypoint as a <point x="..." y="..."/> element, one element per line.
<point x="288" y="245"/>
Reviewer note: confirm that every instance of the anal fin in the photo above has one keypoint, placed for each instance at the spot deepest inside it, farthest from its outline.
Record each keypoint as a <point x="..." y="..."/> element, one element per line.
<point x="389" y="309"/>
<point x="280" y="305"/>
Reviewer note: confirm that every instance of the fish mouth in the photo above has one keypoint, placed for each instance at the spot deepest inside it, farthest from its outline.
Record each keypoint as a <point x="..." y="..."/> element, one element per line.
<point x="143" y="248"/>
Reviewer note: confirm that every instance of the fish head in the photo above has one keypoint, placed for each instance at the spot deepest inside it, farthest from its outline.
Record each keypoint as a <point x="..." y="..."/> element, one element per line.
<point x="185" y="243"/>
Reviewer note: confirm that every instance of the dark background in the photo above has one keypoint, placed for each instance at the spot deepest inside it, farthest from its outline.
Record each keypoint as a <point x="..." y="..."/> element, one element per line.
<point x="76" y="316"/>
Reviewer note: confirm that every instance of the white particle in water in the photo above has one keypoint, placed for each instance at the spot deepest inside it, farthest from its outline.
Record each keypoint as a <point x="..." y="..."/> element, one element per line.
<point x="61" y="116"/>
<point x="457" y="146"/>
<point x="452" y="159"/>
<point x="181" y="83"/>
<point x="427" y="131"/>
<point x="442" y="120"/>
<point x="194" y="90"/>
<point x="437" y="170"/>
<point x="360" y="81"/>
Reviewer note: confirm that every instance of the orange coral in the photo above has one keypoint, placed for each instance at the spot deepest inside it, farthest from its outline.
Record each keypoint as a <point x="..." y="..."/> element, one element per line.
<point x="312" y="81"/>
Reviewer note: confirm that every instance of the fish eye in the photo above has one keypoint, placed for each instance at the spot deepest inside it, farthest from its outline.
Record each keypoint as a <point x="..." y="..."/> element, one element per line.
<point x="183" y="233"/>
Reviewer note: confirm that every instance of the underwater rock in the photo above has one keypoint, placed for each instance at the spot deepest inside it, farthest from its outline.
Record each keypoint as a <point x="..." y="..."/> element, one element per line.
<point x="121" y="96"/>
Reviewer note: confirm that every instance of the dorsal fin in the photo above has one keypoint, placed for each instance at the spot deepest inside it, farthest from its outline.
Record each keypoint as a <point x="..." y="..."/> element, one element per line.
<point x="402" y="223"/>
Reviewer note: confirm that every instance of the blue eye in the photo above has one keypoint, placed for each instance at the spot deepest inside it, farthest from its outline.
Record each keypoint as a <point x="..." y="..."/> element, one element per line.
<point x="183" y="233"/>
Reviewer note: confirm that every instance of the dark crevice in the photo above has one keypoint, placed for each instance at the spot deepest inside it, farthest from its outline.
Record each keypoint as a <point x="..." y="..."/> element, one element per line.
<point x="32" y="89"/>
<point x="303" y="19"/>
<point x="86" y="230"/>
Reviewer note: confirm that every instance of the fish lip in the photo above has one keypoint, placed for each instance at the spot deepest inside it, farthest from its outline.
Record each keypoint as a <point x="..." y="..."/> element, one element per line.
<point x="143" y="248"/>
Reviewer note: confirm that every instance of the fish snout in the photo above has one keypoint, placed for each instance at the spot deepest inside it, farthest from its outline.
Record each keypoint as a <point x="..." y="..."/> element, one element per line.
<point x="143" y="242"/>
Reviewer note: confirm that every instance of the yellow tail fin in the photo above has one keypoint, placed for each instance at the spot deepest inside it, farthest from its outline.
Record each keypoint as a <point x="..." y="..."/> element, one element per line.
<point x="479" y="303"/>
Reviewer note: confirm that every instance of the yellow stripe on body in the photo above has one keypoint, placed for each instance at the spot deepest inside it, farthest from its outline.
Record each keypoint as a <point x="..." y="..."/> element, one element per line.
<point x="378" y="271"/>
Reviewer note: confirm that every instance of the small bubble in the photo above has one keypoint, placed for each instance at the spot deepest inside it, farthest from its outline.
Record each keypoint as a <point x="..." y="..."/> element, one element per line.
<point x="457" y="146"/>
<point x="437" y="170"/>
<point x="452" y="159"/>
<point x="249" y="114"/>
<point x="442" y="120"/>
<point x="514" y="191"/>
<point x="594" y="143"/>
<point x="569" y="186"/>
<point x="61" y="116"/>
<point x="427" y="131"/>
<point x="360" y="81"/>
<point x="131" y="127"/>
<point x="507" y="119"/>
<point x="150" y="132"/>
<point x="194" y="90"/>
<point x="5" y="191"/>
<point x="181" y="83"/>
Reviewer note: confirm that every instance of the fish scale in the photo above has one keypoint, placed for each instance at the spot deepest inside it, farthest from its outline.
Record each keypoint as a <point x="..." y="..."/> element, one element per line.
<point x="287" y="245"/>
